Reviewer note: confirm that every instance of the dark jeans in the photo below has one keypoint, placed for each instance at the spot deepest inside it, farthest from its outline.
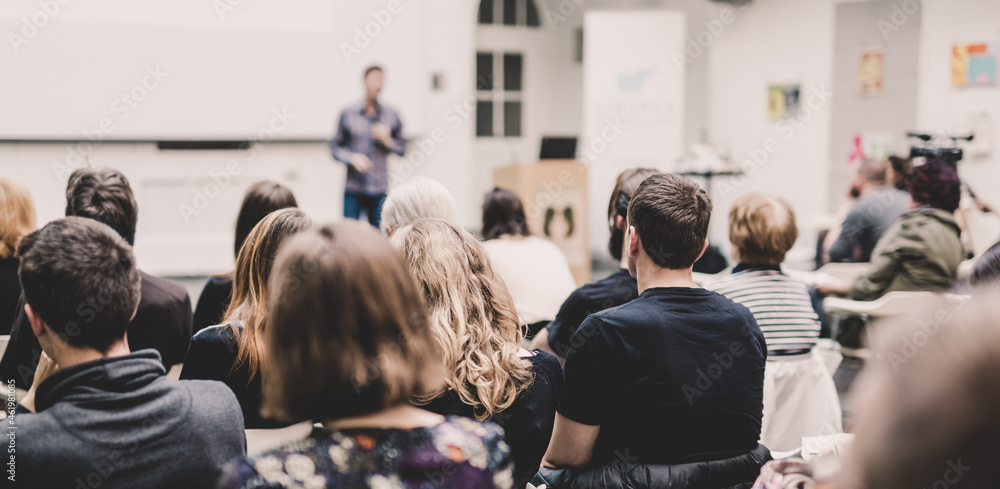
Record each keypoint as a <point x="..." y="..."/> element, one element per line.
<point x="354" y="203"/>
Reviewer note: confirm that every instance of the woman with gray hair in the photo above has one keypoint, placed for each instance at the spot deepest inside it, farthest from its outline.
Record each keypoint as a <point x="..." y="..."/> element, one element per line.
<point x="418" y="198"/>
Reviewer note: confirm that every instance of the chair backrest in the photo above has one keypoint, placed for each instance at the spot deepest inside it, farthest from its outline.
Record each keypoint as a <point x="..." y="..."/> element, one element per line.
<point x="4" y="340"/>
<point x="891" y="304"/>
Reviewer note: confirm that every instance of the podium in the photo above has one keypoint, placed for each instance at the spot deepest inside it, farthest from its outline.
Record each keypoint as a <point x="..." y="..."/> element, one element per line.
<point x="554" y="193"/>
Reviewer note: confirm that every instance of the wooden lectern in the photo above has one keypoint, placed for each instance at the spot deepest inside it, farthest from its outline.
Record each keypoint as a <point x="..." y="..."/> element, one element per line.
<point x="554" y="193"/>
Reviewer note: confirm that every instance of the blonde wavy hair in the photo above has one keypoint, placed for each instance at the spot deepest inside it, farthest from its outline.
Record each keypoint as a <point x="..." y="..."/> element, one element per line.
<point x="17" y="215"/>
<point x="471" y="315"/>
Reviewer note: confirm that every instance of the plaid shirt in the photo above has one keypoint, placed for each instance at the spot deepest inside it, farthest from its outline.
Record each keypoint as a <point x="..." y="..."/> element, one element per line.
<point x="354" y="135"/>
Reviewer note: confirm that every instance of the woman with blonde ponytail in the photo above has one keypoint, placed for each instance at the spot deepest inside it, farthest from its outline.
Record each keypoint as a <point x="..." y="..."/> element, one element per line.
<point x="233" y="352"/>
<point x="474" y="321"/>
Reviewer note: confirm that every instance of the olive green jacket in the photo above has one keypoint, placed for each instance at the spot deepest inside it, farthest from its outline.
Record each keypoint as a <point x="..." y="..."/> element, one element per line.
<point x="920" y="251"/>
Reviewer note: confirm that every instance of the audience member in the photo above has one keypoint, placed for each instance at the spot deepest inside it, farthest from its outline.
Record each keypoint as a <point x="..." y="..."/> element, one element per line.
<point x="163" y="319"/>
<point x="17" y="218"/>
<point x="899" y="166"/>
<point x="928" y="402"/>
<point x="353" y="348"/>
<point x="986" y="271"/>
<point x="872" y="212"/>
<point x="97" y="413"/>
<point x="418" y="198"/>
<point x="674" y="377"/>
<point x="474" y="322"/>
<point x="367" y="132"/>
<point x="617" y="289"/>
<point x="233" y="352"/>
<point x="534" y="269"/>
<point x="800" y="398"/>
<point x="923" y="248"/>
<point x="261" y="199"/>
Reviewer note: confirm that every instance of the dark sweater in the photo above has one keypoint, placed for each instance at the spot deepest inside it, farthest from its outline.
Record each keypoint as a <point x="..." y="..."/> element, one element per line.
<point x="162" y="322"/>
<point x="119" y="422"/>
<point x="527" y="423"/>
<point x="211" y="356"/>
<point x="213" y="302"/>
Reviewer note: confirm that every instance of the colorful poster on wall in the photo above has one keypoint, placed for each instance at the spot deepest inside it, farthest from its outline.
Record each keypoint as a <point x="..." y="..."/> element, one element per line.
<point x="782" y="101"/>
<point x="974" y="65"/>
<point x="870" y="72"/>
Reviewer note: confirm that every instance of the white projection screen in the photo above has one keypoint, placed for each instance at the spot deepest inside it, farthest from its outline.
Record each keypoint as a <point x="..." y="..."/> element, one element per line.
<point x="198" y="69"/>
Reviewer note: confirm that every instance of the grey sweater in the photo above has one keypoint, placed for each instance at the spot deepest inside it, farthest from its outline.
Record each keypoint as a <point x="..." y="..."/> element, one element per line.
<point x="119" y="422"/>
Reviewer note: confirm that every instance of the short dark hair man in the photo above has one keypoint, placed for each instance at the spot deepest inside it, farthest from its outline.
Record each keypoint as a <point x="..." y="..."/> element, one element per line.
<point x="98" y="414"/>
<point x="614" y="290"/>
<point x="366" y="133"/>
<point x="164" y="319"/>
<point x="875" y="209"/>
<point x="675" y="376"/>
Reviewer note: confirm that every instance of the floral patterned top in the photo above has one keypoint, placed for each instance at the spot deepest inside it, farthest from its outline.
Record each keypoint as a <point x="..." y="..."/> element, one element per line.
<point x="457" y="453"/>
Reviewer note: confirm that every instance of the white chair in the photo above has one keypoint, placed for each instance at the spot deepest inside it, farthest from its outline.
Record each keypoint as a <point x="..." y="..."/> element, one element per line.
<point x="831" y="272"/>
<point x="175" y="371"/>
<point x="891" y="304"/>
<point x="260" y="441"/>
<point x="965" y="269"/>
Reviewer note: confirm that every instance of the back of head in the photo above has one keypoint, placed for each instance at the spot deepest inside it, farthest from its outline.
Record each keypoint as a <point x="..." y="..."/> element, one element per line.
<point x="503" y="213"/>
<point x="671" y="213"/>
<point x="472" y="315"/>
<point x="762" y="229"/>
<point x="873" y="170"/>
<point x="17" y="215"/>
<point x="253" y="267"/>
<point x="261" y="199"/>
<point x="929" y="401"/>
<point x="986" y="271"/>
<point x="936" y="184"/>
<point x="419" y="198"/>
<point x="105" y="196"/>
<point x="628" y="182"/>
<point x="81" y="278"/>
<point x="353" y="337"/>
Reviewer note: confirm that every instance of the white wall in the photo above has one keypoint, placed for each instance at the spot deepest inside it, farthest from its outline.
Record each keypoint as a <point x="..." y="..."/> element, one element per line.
<point x="944" y="108"/>
<point x="787" y="41"/>
<point x="894" y="112"/>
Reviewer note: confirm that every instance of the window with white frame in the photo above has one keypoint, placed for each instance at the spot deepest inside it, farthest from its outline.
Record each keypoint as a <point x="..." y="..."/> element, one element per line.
<point x="499" y="89"/>
<point x="509" y="13"/>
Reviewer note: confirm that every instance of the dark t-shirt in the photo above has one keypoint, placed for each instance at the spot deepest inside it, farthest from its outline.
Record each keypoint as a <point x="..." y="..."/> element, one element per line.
<point x="674" y="376"/>
<point x="211" y="356"/>
<point x="527" y="423"/>
<point x="213" y="302"/>
<point x="613" y="291"/>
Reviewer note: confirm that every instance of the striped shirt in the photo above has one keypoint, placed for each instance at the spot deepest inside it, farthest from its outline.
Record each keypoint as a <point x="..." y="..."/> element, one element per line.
<point x="354" y="135"/>
<point x="780" y="304"/>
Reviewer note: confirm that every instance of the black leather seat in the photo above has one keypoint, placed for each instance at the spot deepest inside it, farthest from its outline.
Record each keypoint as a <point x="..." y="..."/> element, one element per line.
<point x="732" y="473"/>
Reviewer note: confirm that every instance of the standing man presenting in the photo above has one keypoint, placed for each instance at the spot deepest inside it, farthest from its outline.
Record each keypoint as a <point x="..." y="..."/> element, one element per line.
<point x="367" y="132"/>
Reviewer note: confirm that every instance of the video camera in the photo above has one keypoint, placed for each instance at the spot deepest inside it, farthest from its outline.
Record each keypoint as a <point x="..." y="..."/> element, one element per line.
<point x="938" y="148"/>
